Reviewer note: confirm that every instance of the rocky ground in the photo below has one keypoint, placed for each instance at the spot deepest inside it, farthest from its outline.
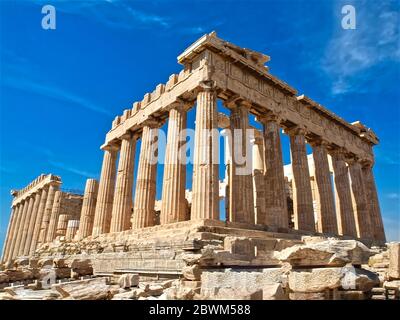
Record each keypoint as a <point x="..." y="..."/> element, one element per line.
<point x="317" y="268"/>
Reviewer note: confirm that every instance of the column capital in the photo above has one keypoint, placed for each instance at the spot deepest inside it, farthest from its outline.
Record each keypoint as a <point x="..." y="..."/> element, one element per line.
<point x="318" y="142"/>
<point x="296" y="130"/>
<point x="270" y="116"/>
<point x="338" y="153"/>
<point x="352" y="159"/>
<point x="109" y="147"/>
<point x="207" y="85"/>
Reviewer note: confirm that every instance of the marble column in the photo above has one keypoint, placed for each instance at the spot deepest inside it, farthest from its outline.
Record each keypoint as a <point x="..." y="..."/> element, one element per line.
<point x="344" y="207"/>
<point x="205" y="181"/>
<point x="241" y="200"/>
<point x="327" y="222"/>
<point x="361" y="214"/>
<point x="32" y="223"/>
<point x="25" y="225"/>
<point x="62" y="223"/>
<point x="302" y="195"/>
<point x="122" y="205"/>
<point x="145" y="194"/>
<point x="72" y="229"/>
<point x="104" y="204"/>
<point x="39" y="220"/>
<point x="55" y="213"/>
<point x="258" y="181"/>
<point x="377" y="230"/>
<point x="53" y="188"/>
<point x="88" y="208"/>
<point x="275" y="194"/>
<point x="17" y="230"/>
<point x="8" y="238"/>
<point x="173" y="204"/>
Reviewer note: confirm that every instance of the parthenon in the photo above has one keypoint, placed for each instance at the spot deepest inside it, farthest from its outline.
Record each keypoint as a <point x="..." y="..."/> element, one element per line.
<point x="329" y="193"/>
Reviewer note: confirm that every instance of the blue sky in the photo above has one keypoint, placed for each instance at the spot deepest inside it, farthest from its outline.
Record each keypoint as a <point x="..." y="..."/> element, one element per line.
<point x="60" y="89"/>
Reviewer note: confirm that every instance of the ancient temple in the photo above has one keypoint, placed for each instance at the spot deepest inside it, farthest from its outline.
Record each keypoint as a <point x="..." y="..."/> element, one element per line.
<point x="335" y="196"/>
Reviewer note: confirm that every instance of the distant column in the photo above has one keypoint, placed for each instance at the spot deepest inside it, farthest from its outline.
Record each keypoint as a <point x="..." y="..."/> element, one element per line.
<point x="275" y="193"/>
<point x="25" y="225"/>
<point x="377" y="230"/>
<point x="205" y="181"/>
<point x="47" y="213"/>
<point x="8" y="238"/>
<point x="327" y="222"/>
<point x="88" y="208"/>
<point x="122" y="205"/>
<point x="72" y="228"/>
<point x="344" y="207"/>
<point x="39" y="220"/>
<point x="259" y="181"/>
<point x="32" y="222"/>
<point x="362" y="218"/>
<point x="173" y="204"/>
<point x="302" y="195"/>
<point x="55" y="213"/>
<point x="145" y="194"/>
<point x="17" y="230"/>
<point x="104" y="204"/>
<point x="241" y="201"/>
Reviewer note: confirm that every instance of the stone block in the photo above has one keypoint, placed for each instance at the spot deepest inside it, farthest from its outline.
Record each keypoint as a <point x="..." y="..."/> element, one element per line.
<point x="394" y="260"/>
<point x="128" y="280"/>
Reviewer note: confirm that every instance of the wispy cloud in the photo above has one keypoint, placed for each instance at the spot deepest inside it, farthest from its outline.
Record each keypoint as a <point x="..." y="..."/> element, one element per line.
<point x="352" y="53"/>
<point x="68" y="168"/>
<point x="393" y="195"/>
<point x="51" y="91"/>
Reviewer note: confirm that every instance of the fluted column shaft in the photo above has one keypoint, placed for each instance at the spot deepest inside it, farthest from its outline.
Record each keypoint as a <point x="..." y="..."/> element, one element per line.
<point x="55" y="213"/>
<point x="173" y="204"/>
<point x="25" y="225"/>
<point x="47" y="213"/>
<point x="8" y="239"/>
<point x="104" y="204"/>
<point x="62" y="224"/>
<point x="122" y="205"/>
<point x="326" y="216"/>
<point x="302" y="195"/>
<point x="145" y="194"/>
<point x="32" y="223"/>
<point x="205" y="181"/>
<point x="362" y="218"/>
<point x="17" y="231"/>
<point x="275" y="194"/>
<point x="258" y="181"/>
<point x="88" y="208"/>
<point x="241" y="200"/>
<point x="377" y="230"/>
<point x="344" y="207"/>
<point x="72" y="229"/>
<point x="39" y="220"/>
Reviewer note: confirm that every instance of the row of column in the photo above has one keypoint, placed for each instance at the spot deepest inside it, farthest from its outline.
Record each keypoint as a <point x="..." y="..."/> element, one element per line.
<point x="260" y="198"/>
<point x="25" y="229"/>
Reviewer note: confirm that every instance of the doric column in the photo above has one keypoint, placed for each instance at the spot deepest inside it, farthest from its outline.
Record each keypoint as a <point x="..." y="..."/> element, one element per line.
<point x="226" y="133"/>
<point x="62" y="223"/>
<point x="145" y="194"/>
<point x="302" y="195"/>
<point x="39" y="220"/>
<point x="241" y="201"/>
<point x="88" y="208"/>
<point x="104" y="204"/>
<point x="122" y="205"/>
<point x="17" y="232"/>
<point x="258" y="181"/>
<point x="377" y="230"/>
<point x="326" y="216"/>
<point x="32" y="222"/>
<point x="8" y="239"/>
<point x="362" y="218"/>
<point x="205" y="181"/>
<point x="47" y="213"/>
<point x="344" y="207"/>
<point x="173" y="204"/>
<point x="25" y="224"/>
<point x="275" y="194"/>
<point x="72" y="228"/>
<point x="55" y="213"/>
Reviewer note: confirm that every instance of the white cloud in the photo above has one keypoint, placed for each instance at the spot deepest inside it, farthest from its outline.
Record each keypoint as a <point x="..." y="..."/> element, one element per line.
<point x="68" y="168"/>
<point x="350" y="54"/>
<point x="393" y="195"/>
